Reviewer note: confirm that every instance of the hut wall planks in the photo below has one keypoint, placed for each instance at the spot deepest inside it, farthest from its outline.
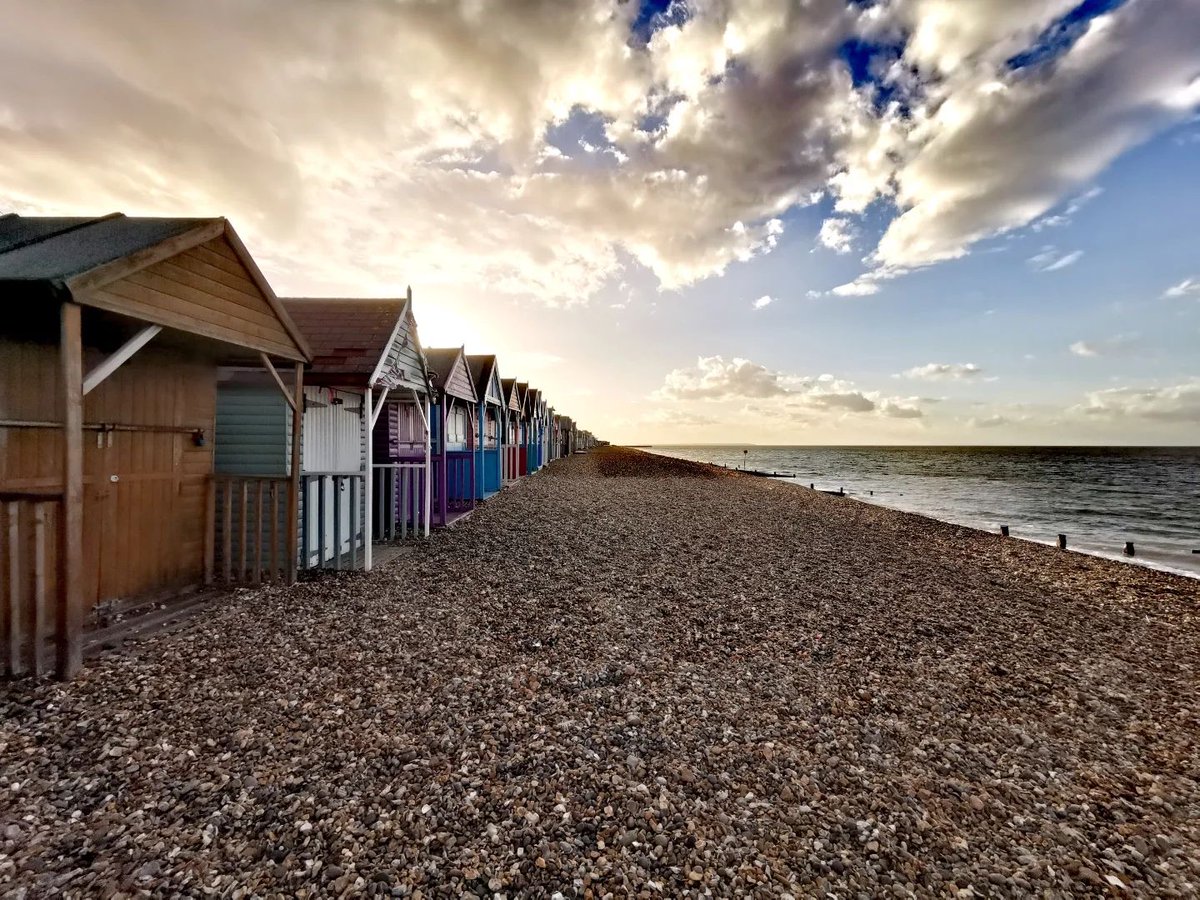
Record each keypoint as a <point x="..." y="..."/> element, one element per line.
<point x="145" y="480"/>
<point x="205" y="290"/>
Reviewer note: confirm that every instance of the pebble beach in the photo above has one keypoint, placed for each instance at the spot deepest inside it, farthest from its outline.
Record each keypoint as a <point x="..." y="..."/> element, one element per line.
<point x="635" y="676"/>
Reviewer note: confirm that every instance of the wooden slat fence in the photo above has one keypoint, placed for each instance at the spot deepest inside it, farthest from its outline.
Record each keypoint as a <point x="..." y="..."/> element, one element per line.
<point x="332" y="525"/>
<point x="30" y="525"/>
<point x="248" y="515"/>
<point x="399" y="500"/>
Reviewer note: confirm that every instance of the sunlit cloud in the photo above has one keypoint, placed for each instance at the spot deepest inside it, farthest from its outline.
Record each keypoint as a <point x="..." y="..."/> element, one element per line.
<point x="943" y="372"/>
<point x="1189" y="287"/>
<point x="540" y="149"/>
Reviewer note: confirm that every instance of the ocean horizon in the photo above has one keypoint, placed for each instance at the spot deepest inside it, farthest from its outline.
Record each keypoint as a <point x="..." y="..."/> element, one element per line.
<point x="1100" y="497"/>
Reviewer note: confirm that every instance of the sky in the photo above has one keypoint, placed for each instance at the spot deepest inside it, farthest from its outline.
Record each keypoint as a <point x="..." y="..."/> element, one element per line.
<point x="761" y="221"/>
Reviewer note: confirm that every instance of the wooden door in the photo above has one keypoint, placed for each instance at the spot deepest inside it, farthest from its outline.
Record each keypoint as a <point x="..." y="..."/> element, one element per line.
<point x="146" y="478"/>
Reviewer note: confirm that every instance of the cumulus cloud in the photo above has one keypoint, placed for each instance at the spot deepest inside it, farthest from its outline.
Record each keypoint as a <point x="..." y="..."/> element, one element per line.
<point x="1050" y="259"/>
<point x="715" y="378"/>
<point x="857" y="288"/>
<point x="1083" y="348"/>
<point x="837" y="234"/>
<point x="986" y="146"/>
<point x="1179" y="403"/>
<point x="764" y="301"/>
<point x="1189" y="287"/>
<point x="537" y="147"/>
<point x="900" y="410"/>
<point x="943" y="372"/>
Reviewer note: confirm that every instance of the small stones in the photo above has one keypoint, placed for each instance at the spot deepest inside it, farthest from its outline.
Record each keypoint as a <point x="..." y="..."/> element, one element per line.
<point x="656" y="684"/>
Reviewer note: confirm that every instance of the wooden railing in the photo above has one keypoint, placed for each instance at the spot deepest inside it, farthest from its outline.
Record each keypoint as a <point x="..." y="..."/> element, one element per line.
<point x="29" y="616"/>
<point x="400" y="508"/>
<point x="249" y="526"/>
<point x="336" y="539"/>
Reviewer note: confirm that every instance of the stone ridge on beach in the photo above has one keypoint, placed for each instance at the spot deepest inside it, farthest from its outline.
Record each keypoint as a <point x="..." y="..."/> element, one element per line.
<point x="636" y="686"/>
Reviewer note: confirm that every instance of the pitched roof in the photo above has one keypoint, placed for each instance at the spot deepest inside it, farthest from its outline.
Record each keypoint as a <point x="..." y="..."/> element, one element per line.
<point x="54" y="249"/>
<point x="441" y="362"/>
<point x="481" y="366"/>
<point x="347" y="336"/>
<point x="45" y="254"/>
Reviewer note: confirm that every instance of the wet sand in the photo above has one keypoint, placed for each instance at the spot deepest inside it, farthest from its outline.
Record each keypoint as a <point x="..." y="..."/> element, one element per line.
<point x="632" y="675"/>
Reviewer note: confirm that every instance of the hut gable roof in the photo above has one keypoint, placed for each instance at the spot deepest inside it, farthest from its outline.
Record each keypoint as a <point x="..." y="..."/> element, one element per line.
<point x="511" y="394"/>
<point x="533" y="403"/>
<point x="192" y="275"/>
<point x="486" y="372"/>
<point x="448" y="372"/>
<point x="361" y="341"/>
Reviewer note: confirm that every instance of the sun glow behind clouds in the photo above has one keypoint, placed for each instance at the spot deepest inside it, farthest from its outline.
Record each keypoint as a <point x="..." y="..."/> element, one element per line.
<point x="506" y="157"/>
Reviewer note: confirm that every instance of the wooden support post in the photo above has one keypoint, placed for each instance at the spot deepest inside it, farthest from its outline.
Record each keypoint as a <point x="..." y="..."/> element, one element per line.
<point x="337" y="522"/>
<point x="227" y="531"/>
<point x="16" y="615"/>
<point x="305" y="531"/>
<point x="258" y="533"/>
<point x="37" y="637"/>
<point x="354" y="520"/>
<point x="1062" y="542"/>
<point x="428" y="493"/>
<point x="1004" y="531"/>
<point x="274" y="568"/>
<point x="320" y="521"/>
<point x="245" y="513"/>
<point x="210" y="531"/>
<point x="293" y="504"/>
<point x="69" y="624"/>
<point x="1129" y="549"/>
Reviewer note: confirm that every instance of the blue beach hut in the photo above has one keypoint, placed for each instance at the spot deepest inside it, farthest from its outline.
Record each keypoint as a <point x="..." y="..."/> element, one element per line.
<point x="491" y="419"/>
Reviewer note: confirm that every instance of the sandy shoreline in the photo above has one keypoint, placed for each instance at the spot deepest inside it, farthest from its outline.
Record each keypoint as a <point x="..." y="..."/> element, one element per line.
<point x="640" y="676"/>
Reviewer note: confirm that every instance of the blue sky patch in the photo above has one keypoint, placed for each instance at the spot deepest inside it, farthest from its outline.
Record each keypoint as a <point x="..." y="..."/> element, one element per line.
<point x="1061" y="35"/>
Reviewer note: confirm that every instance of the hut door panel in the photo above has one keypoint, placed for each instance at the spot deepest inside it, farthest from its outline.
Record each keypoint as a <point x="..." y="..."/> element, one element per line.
<point x="146" y="485"/>
<point x="144" y="543"/>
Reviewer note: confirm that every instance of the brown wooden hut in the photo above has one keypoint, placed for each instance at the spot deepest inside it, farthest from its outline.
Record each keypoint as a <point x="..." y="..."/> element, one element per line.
<point x="114" y="330"/>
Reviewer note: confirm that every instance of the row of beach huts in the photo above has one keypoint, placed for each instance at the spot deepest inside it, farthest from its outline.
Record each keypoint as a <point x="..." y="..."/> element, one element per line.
<point x="167" y="423"/>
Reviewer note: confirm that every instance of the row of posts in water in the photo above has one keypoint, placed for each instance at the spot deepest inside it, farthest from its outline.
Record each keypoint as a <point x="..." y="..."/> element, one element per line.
<point x="1062" y="538"/>
<point x="1062" y="542"/>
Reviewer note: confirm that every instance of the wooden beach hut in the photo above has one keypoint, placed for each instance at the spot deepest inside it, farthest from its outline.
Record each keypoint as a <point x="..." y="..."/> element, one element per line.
<point x="453" y="423"/>
<point x="533" y="430"/>
<point x="543" y="431"/>
<point x="109" y="353"/>
<point x="491" y="415"/>
<point x="523" y="428"/>
<point x="555" y="430"/>
<point x="511" y="449"/>
<point x="366" y="361"/>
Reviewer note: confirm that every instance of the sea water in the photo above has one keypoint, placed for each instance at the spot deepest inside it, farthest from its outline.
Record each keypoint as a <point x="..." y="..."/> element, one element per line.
<point x="1099" y="497"/>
